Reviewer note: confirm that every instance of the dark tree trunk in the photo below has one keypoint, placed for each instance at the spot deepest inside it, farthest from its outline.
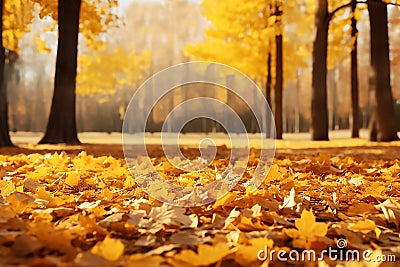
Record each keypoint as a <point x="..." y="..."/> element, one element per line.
<point x="383" y="122"/>
<point x="268" y="84"/>
<point x="4" y="127"/>
<point x="297" y="103"/>
<point x="268" y="90"/>
<point x="319" y="107"/>
<point x="355" y="109"/>
<point x="279" y="87"/>
<point x="332" y="85"/>
<point x="61" y="127"/>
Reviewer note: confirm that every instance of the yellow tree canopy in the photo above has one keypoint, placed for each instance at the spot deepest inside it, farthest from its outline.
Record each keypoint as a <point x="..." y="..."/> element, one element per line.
<point x="242" y="33"/>
<point x="17" y="17"/>
<point x="97" y="16"/>
<point x="340" y="40"/>
<point x="238" y="35"/>
<point x="103" y="71"/>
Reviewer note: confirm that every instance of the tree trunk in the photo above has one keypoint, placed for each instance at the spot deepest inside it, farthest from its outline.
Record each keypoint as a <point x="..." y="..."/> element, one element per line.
<point x="61" y="127"/>
<point x="383" y="121"/>
<point x="268" y="89"/>
<point x="297" y="103"/>
<point x="355" y="109"/>
<point x="319" y="107"/>
<point x="4" y="127"/>
<point x="279" y="87"/>
<point x="332" y="106"/>
<point x="268" y="84"/>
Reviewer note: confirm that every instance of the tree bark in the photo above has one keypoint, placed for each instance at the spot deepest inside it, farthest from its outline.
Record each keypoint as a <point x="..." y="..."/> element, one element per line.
<point x="268" y="89"/>
<point x="279" y="87"/>
<point x="319" y="109"/>
<point x="268" y="84"/>
<point x="297" y="105"/>
<point x="4" y="127"/>
<point x="279" y="70"/>
<point x="355" y="109"/>
<point x="383" y="122"/>
<point x="332" y="108"/>
<point x="61" y="127"/>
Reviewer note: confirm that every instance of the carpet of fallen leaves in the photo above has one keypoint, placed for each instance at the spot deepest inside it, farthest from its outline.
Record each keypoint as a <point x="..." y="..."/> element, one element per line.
<point x="70" y="209"/>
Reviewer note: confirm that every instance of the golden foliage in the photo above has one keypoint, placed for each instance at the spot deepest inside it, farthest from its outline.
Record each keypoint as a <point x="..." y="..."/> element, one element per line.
<point x="96" y="17"/>
<point x="17" y="17"/>
<point x="242" y="34"/>
<point x="105" y="71"/>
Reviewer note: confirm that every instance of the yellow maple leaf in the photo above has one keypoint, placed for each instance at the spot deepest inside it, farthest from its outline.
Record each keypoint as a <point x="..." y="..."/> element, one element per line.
<point x="129" y="182"/>
<point x="274" y="174"/>
<point x="111" y="249"/>
<point x="72" y="179"/>
<point x="308" y="227"/>
<point x="307" y="230"/>
<point x="206" y="254"/>
<point x="40" y="174"/>
<point x="365" y="226"/>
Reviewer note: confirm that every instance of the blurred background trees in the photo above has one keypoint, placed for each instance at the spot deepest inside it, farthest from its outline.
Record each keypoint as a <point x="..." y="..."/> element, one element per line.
<point x="123" y="43"/>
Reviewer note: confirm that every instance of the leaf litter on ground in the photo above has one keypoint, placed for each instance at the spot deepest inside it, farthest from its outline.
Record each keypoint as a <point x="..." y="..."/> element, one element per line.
<point x="69" y="209"/>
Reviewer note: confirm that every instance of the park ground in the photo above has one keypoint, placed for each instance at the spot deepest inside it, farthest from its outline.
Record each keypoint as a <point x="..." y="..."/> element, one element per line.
<point x="65" y="207"/>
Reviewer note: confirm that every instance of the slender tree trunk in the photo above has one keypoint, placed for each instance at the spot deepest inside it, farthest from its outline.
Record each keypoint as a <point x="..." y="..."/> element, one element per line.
<point x="4" y="127"/>
<point x="319" y="107"/>
<point x="268" y="89"/>
<point x="230" y="83"/>
<point x="268" y="84"/>
<point x="332" y="106"/>
<point x="40" y="103"/>
<point x="297" y="105"/>
<point x="355" y="109"/>
<point x="383" y="121"/>
<point x="279" y="87"/>
<point x="61" y="127"/>
<point x="279" y="71"/>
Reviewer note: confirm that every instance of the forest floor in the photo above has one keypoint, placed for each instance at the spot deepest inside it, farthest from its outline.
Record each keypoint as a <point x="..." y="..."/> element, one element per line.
<point x="64" y="207"/>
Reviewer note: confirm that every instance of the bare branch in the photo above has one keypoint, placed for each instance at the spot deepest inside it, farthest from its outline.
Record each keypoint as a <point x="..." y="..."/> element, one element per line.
<point x="392" y="4"/>
<point x="332" y="14"/>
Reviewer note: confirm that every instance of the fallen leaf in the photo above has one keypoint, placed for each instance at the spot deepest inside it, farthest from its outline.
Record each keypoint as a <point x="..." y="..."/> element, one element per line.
<point x="308" y="226"/>
<point x="247" y="254"/>
<point x="364" y="226"/>
<point x="289" y="201"/>
<point x="111" y="249"/>
<point x="7" y="189"/>
<point x="169" y="215"/>
<point x="205" y="255"/>
<point x="391" y="211"/>
<point x="72" y="179"/>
